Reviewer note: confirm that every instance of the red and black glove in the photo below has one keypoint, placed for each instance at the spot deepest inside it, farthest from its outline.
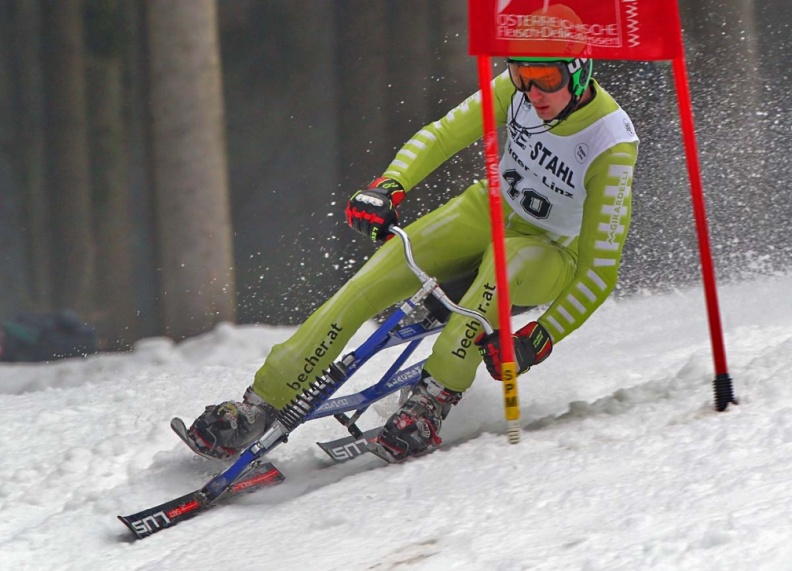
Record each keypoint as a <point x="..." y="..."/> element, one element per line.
<point x="372" y="212"/>
<point x="532" y="345"/>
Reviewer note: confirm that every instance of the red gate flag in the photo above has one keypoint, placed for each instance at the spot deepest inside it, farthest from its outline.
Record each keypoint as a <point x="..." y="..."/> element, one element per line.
<point x="598" y="29"/>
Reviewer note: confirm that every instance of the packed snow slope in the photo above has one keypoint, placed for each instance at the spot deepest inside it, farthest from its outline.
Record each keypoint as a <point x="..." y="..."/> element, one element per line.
<point x="622" y="464"/>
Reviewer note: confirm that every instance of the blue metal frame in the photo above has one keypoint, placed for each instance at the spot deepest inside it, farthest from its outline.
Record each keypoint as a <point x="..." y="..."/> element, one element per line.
<point x="394" y="378"/>
<point x="389" y="334"/>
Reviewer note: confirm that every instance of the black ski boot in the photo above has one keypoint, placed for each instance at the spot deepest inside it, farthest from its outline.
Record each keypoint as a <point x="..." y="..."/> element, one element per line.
<point x="223" y="431"/>
<point x="414" y="428"/>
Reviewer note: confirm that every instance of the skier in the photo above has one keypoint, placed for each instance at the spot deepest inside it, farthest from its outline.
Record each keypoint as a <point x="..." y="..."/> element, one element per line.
<point x="566" y="174"/>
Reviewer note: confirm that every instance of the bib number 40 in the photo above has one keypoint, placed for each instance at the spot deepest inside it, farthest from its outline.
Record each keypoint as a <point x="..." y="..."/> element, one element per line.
<point x="531" y="201"/>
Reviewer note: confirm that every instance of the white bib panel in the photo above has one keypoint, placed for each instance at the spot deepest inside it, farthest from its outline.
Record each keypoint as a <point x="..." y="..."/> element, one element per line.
<point x="542" y="174"/>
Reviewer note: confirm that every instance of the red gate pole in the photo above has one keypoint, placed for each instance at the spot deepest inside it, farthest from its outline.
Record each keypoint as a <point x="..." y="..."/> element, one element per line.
<point x="511" y="401"/>
<point x="724" y="391"/>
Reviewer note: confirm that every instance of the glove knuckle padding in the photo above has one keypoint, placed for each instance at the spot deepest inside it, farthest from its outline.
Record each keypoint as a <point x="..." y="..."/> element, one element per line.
<point x="371" y="212"/>
<point x="367" y="198"/>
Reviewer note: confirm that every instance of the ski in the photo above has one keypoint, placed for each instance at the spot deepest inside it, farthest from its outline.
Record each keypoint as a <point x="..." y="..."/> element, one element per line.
<point x="170" y="513"/>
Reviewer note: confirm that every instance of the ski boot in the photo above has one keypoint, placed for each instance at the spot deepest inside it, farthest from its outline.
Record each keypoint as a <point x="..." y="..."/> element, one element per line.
<point x="414" y="428"/>
<point x="223" y="431"/>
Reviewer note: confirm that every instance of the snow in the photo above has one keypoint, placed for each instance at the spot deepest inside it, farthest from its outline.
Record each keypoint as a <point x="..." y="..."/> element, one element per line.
<point x="622" y="465"/>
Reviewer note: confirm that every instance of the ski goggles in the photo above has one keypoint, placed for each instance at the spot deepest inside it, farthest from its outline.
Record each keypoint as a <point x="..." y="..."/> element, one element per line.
<point x="546" y="76"/>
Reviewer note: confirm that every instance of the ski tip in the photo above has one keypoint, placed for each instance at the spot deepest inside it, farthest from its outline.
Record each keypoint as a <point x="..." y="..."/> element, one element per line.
<point x="137" y="531"/>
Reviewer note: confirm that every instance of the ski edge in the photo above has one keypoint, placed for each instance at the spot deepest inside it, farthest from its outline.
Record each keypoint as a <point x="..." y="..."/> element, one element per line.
<point x="149" y="521"/>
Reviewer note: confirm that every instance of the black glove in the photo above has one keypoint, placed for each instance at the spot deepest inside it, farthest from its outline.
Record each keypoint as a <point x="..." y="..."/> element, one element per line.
<point x="532" y="345"/>
<point x="372" y="212"/>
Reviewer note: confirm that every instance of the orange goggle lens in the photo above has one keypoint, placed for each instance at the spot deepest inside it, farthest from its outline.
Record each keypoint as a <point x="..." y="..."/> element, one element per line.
<point x="546" y="77"/>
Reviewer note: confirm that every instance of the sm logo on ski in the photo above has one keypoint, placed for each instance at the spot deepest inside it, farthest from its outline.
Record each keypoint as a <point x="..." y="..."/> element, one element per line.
<point x="152" y="520"/>
<point x="148" y="524"/>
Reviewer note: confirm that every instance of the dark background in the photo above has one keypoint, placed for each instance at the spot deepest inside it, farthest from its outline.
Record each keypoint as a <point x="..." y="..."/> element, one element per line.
<point x="320" y="95"/>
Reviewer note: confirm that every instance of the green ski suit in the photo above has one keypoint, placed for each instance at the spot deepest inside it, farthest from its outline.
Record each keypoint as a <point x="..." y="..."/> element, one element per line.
<point x="566" y="213"/>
